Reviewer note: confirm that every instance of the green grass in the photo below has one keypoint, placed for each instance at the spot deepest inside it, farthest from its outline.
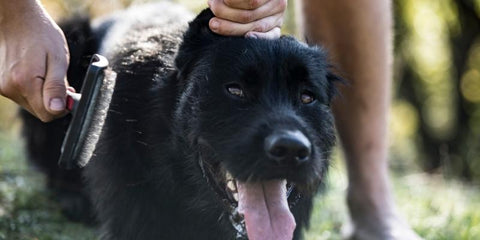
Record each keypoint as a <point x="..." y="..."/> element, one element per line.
<point x="435" y="207"/>
<point x="26" y="208"/>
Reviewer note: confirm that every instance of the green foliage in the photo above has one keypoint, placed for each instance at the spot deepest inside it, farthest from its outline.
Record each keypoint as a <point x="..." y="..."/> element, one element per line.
<point x="437" y="76"/>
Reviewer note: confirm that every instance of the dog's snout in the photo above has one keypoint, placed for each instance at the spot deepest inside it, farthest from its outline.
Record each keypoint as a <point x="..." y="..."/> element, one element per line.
<point x="288" y="147"/>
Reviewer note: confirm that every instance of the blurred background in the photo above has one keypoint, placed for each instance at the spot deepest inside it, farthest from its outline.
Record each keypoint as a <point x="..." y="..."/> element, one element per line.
<point x="435" y="131"/>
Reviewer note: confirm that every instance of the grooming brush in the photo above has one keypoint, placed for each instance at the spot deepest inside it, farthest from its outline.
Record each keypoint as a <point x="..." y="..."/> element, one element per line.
<point x="89" y="110"/>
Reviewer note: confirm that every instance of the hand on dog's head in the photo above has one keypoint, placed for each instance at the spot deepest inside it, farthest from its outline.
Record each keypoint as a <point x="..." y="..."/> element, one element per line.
<point x="199" y="39"/>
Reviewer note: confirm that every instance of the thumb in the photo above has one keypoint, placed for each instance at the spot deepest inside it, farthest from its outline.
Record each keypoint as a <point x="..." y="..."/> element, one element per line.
<point x="55" y="85"/>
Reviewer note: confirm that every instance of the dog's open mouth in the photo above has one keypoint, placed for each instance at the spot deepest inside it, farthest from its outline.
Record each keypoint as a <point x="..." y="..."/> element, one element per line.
<point x="259" y="209"/>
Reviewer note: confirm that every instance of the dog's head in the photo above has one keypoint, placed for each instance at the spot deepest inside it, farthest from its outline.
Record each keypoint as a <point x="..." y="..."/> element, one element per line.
<point x="257" y="112"/>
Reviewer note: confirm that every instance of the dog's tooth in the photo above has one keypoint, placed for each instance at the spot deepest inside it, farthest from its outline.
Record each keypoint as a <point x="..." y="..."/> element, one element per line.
<point x="231" y="186"/>
<point x="228" y="176"/>
<point x="235" y="196"/>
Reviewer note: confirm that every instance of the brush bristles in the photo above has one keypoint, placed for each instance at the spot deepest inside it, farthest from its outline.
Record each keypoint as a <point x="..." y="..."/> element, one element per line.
<point x="99" y="114"/>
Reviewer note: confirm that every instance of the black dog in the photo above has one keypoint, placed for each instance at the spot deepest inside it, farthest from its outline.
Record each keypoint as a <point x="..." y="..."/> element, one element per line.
<point x="216" y="138"/>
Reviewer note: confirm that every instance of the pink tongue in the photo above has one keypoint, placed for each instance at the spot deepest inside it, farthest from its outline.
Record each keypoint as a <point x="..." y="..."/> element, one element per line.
<point x="265" y="208"/>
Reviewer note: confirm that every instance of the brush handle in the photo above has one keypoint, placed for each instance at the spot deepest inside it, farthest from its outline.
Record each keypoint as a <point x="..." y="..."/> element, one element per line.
<point x="72" y="100"/>
<point x="84" y="110"/>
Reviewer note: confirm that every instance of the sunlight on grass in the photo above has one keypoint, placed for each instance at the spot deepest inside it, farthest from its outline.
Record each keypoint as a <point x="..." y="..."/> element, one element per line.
<point x="437" y="209"/>
<point x="440" y="209"/>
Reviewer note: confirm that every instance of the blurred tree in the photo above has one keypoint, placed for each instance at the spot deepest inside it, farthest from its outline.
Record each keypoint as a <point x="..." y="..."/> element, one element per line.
<point x="441" y="80"/>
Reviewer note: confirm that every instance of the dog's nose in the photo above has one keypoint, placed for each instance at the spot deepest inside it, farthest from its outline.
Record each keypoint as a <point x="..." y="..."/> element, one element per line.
<point x="287" y="147"/>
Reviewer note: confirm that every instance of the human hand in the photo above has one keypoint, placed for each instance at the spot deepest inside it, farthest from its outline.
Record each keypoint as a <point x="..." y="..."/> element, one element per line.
<point x="34" y="59"/>
<point x="250" y="18"/>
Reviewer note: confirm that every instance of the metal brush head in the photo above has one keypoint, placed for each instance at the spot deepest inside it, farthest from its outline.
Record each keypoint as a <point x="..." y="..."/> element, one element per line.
<point x="88" y="114"/>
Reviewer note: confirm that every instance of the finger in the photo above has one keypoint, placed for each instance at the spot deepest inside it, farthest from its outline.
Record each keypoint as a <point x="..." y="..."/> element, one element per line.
<point x="247" y="16"/>
<point x="31" y="98"/>
<point x="37" y="105"/>
<point x="55" y="87"/>
<point x="272" y="34"/>
<point x="34" y="98"/>
<point x="245" y="4"/>
<point x="229" y="28"/>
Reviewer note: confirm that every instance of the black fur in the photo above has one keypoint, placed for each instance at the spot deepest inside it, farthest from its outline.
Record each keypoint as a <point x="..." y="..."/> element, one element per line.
<point x="145" y="179"/>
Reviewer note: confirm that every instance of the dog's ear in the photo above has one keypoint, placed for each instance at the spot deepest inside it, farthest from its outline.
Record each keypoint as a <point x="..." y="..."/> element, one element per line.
<point x="333" y="79"/>
<point x="198" y="29"/>
<point x="328" y="71"/>
<point x="196" y="41"/>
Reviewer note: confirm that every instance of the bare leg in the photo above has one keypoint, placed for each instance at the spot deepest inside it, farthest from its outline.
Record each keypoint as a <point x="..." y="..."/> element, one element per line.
<point x="358" y="37"/>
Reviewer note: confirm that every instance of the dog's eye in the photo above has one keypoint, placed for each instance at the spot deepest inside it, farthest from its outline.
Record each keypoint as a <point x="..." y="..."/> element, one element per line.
<point x="235" y="89"/>
<point x="307" y="97"/>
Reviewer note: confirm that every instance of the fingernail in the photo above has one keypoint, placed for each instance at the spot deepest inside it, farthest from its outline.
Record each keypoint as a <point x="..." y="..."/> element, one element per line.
<point x="56" y="104"/>
<point x="214" y="24"/>
<point x="251" y="35"/>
